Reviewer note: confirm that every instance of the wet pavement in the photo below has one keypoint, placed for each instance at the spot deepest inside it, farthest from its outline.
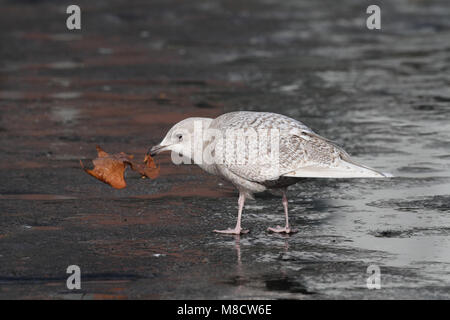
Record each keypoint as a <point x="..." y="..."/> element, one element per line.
<point x="134" y="70"/>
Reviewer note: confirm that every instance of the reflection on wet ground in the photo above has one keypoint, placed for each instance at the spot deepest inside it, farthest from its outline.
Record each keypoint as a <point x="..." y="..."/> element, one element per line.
<point x="134" y="70"/>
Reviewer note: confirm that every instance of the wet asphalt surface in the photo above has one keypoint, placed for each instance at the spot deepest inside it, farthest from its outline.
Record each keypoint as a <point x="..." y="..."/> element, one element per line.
<point x="136" y="69"/>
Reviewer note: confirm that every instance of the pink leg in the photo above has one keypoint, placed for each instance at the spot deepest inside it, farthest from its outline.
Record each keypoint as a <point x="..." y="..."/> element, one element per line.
<point x="237" y="229"/>
<point x="286" y="229"/>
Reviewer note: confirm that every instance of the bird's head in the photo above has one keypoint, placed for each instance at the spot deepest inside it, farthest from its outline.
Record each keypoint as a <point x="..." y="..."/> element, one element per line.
<point x="180" y="138"/>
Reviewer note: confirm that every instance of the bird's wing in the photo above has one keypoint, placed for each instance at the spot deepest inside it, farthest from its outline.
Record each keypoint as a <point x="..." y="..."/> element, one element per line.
<point x="300" y="153"/>
<point x="257" y="130"/>
<point x="310" y="155"/>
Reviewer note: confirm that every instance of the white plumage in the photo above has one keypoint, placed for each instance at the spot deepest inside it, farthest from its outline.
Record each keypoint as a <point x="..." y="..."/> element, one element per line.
<point x="299" y="153"/>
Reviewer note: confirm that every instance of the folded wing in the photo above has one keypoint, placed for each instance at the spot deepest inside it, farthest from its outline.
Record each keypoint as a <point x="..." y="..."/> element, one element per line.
<point x="312" y="156"/>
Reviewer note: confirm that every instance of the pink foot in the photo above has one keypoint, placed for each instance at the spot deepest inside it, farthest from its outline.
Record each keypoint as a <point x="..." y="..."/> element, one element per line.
<point x="232" y="231"/>
<point x="279" y="229"/>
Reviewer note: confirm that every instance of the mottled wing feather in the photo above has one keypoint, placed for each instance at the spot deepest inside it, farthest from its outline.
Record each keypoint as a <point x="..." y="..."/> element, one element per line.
<point x="262" y="120"/>
<point x="310" y="155"/>
<point x="308" y="150"/>
<point x="267" y="170"/>
<point x="302" y="153"/>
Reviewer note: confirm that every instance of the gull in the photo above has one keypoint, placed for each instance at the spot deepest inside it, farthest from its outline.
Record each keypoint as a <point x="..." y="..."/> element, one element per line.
<point x="232" y="146"/>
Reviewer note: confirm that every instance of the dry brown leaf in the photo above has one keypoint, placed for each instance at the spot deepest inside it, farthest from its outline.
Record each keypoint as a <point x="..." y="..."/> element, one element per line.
<point x="147" y="169"/>
<point x="110" y="168"/>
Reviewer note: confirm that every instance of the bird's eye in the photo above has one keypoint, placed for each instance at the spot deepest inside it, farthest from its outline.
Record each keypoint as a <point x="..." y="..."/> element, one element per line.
<point x="180" y="137"/>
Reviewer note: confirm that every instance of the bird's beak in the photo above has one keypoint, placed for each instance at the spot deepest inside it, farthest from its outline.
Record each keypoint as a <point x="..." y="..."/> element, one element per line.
<point x="153" y="151"/>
